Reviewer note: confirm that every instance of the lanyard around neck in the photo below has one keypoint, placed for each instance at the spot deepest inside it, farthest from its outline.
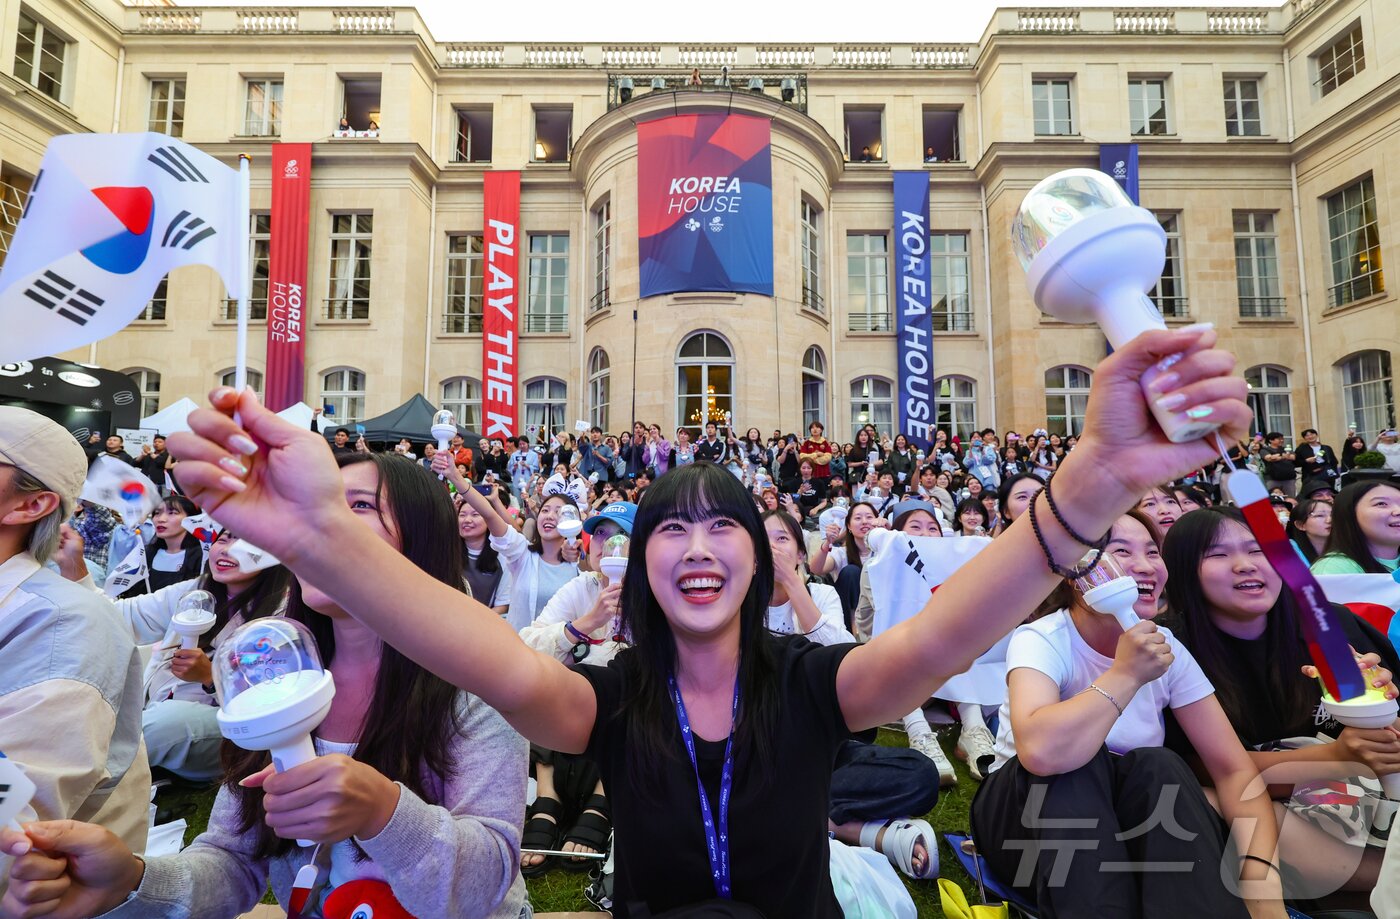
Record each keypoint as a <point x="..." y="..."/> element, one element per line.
<point x="716" y="836"/>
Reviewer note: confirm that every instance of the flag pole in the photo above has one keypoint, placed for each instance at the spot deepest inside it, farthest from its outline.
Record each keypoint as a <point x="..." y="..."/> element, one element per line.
<point x="240" y="364"/>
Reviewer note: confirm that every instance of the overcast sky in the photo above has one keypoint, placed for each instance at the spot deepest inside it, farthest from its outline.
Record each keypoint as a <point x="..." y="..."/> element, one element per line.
<point x="929" y="21"/>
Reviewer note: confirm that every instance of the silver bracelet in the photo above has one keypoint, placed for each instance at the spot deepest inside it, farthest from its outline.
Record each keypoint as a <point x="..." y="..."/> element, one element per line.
<point x="1096" y="688"/>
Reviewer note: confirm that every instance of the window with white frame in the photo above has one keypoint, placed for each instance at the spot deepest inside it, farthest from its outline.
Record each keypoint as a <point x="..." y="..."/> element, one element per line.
<point x="343" y="395"/>
<point x="602" y="255"/>
<point x="1051" y="106"/>
<point x="1270" y="399"/>
<point x="255" y="380"/>
<point x="813" y="386"/>
<point x="955" y="406"/>
<point x="1147" y="106"/>
<point x="704" y="381"/>
<point x="466" y="273"/>
<point x="474" y="135"/>
<point x="1340" y="61"/>
<point x="950" y="282"/>
<point x="1242" y="116"/>
<point x="1354" y="241"/>
<point x="599" y="387"/>
<point x="547" y="304"/>
<point x="259" y="267"/>
<point x="41" y="55"/>
<point x="167" y="108"/>
<point x="1256" y="266"/>
<point x="1066" y="399"/>
<point x="872" y="402"/>
<point x="352" y="237"/>
<point x="867" y="282"/>
<point x="1368" y="393"/>
<point x="546" y="404"/>
<point x="262" y="110"/>
<point x="1170" y="292"/>
<point x="810" y="237"/>
<point x="462" y="397"/>
<point x="155" y="307"/>
<point x="147" y="384"/>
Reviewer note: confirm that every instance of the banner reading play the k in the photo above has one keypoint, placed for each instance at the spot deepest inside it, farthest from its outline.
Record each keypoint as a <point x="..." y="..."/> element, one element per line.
<point x="107" y="217"/>
<point x="705" y="204"/>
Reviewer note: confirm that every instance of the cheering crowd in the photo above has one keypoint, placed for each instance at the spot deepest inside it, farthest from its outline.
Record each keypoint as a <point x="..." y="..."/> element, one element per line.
<point x="704" y="721"/>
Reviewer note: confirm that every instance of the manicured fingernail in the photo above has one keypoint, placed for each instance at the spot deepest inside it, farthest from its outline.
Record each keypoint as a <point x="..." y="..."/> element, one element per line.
<point x="242" y="443"/>
<point x="1197" y="327"/>
<point x="223" y="392"/>
<point x="1199" y="412"/>
<point x="1166" y="382"/>
<point x="232" y="484"/>
<point x="232" y="465"/>
<point x="1168" y="362"/>
<point x="1169" y="403"/>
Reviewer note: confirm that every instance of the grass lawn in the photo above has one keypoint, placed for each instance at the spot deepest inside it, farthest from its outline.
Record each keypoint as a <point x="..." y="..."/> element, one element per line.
<point x="562" y="891"/>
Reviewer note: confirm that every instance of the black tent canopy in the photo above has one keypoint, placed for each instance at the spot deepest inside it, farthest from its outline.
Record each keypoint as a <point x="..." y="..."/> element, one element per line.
<point x="413" y="419"/>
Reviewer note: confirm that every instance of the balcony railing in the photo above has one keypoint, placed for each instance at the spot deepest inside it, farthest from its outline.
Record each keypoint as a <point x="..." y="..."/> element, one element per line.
<point x="944" y="321"/>
<point x="257" y="310"/>
<point x="1263" y="307"/>
<point x="599" y="301"/>
<point x="868" y="322"/>
<point x="345" y="308"/>
<point x="812" y="300"/>
<point x="789" y="88"/>
<point x="1154" y="22"/>
<point x="1357" y="288"/>
<point x="546" y="322"/>
<point x="1172" y="307"/>
<point x="461" y="323"/>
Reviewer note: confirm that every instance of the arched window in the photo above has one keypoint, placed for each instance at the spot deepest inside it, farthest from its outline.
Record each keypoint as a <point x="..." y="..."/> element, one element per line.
<point x="1066" y="398"/>
<point x="704" y="381"/>
<point x="462" y="397"/>
<point x="599" y="386"/>
<point x="147" y="383"/>
<point x="955" y="406"/>
<point x="343" y="395"/>
<point x="813" y="386"/>
<point x="872" y="402"/>
<point x="1271" y="399"/>
<point x="255" y="380"/>
<point x="1368" y="393"/>
<point x="546" y="404"/>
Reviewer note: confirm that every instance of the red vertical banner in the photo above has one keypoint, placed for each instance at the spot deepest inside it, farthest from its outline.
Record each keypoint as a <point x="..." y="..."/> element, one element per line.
<point x="285" y="381"/>
<point x="500" y="328"/>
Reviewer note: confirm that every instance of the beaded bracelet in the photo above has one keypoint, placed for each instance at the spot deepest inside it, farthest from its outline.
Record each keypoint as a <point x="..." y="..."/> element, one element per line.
<point x="1074" y="534"/>
<point x="1101" y="691"/>
<point x="1059" y="571"/>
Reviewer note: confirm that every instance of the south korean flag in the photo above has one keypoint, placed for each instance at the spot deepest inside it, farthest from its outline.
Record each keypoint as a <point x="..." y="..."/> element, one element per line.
<point x="108" y="216"/>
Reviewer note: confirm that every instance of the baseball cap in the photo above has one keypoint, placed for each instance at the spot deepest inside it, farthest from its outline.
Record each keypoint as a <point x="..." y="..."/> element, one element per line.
<point x="908" y="506"/>
<point x="1312" y="486"/>
<point x="621" y="513"/>
<point x="42" y="448"/>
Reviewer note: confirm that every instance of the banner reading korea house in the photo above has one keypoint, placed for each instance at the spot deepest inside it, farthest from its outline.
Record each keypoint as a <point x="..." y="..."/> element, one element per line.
<point x="705" y="204"/>
<point x="1121" y="162"/>
<point x="914" y="320"/>
<point x="499" y="326"/>
<point x="286" y="275"/>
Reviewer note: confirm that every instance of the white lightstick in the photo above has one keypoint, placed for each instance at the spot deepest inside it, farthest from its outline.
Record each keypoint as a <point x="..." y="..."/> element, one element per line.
<point x="1090" y="254"/>
<point x="1108" y="590"/>
<point x="273" y="690"/>
<point x="569" y="525"/>
<point x="193" y="617"/>
<point x="614" y="563"/>
<point x="444" y="429"/>
<point x="1370" y="712"/>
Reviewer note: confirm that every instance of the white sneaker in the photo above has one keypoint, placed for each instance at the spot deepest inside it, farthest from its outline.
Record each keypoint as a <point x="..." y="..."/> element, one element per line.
<point x="975" y="742"/>
<point x="928" y="745"/>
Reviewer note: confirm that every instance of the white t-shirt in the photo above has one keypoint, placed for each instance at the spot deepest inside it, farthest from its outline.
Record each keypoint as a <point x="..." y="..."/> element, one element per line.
<point x="1054" y="647"/>
<point x="165" y="560"/>
<point x="831" y="627"/>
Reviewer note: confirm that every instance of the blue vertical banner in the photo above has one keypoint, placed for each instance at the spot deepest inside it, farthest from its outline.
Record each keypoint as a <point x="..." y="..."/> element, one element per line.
<point x="1121" y="162"/>
<point x="914" y="321"/>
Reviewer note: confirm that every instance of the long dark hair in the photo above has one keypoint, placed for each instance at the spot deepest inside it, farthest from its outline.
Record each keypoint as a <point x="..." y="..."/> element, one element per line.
<point x="1346" y="539"/>
<point x="537" y="541"/>
<point x="263" y="596"/>
<point x="694" y="493"/>
<point x="1004" y="492"/>
<point x="971" y="504"/>
<point x="849" y="540"/>
<point x="1297" y="519"/>
<point x="194" y="556"/>
<point x="412" y="717"/>
<point x="1182" y="550"/>
<point x="487" y="560"/>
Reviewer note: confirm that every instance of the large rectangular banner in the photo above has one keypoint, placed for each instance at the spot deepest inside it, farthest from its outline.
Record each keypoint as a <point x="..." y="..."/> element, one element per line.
<point x="285" y="381"/>
<point x="1121" y="162"/>
<point x="499" y="326"/>
<point x="705" y="204"/>
<point x="913" y="317"/>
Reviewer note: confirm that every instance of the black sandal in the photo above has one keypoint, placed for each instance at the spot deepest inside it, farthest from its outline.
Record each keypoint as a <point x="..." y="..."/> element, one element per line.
<point x="592" y="830"/>
<point x="541" y="832"/>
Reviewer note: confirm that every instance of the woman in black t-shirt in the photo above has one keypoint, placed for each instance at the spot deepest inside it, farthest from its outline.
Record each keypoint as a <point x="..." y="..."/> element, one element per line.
<point x="1230" y="609"/>
<point x="707" y="712"/>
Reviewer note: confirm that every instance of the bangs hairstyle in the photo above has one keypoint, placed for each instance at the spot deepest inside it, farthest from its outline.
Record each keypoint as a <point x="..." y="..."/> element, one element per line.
<point x="1183" y="549"/>
<point x="536" y="540"/>
<point x="412" y="716"/>
<point x="848" y="539"/>
<point x="694" y="493"/>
